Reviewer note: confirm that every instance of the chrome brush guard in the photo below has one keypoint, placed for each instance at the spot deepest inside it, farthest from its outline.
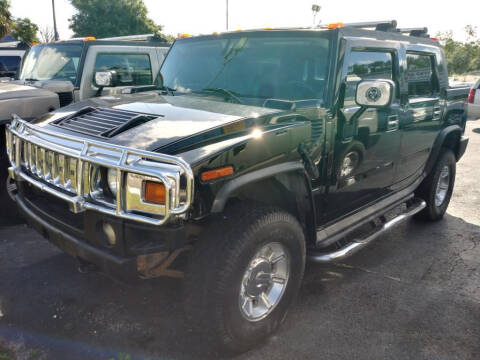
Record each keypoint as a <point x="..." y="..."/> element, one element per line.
<point x="66" y="166"/>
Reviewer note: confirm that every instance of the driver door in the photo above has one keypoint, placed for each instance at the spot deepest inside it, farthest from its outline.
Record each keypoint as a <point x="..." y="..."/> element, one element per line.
<point x="366" y="144"/>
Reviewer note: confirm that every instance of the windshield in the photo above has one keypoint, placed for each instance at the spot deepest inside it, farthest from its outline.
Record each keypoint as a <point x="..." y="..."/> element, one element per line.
<point x="9" y="65"/>
<point x="52" y="62"/>
<point x="261" y="68"/>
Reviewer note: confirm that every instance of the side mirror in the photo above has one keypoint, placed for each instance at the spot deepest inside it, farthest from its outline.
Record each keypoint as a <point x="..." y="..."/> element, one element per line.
<point x="106" y="79"/>
<point x="375" y="93"/>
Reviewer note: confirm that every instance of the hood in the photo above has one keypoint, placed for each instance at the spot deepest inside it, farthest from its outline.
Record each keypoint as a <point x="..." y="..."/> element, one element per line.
<point x="171" y="124"/>
<point x="26" y="101"/>
<point x="57" y="86"/>
<point x="14" y="90"/>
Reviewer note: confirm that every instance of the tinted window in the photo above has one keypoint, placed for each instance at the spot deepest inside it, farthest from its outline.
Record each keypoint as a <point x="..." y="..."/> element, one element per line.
<point x="133" y="69"/>
<point x="9" y="65"/>
<point x="420" y="75"/>
<point x="259" y="68"/>
<point x="366" y="65"/>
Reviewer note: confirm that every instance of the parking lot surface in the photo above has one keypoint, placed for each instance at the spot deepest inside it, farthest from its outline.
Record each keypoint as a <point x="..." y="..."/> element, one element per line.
<point x="413" y="294"/>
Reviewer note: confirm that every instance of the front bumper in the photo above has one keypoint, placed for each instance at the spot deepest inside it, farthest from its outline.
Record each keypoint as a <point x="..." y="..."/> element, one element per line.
<point x="81" y="235"/>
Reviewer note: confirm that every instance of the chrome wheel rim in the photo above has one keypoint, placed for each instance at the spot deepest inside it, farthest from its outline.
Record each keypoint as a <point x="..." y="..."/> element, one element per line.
<point x="443" y="184"/>
<point x="264" y="281"/>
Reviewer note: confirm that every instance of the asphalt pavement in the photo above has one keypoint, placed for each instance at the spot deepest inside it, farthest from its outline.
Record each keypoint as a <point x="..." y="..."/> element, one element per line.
<point x="413" y="294"/>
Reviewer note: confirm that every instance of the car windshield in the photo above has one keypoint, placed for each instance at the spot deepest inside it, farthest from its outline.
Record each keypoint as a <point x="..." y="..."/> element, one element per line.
<point x="52" y="62"/>
<point x="258" y="68"/>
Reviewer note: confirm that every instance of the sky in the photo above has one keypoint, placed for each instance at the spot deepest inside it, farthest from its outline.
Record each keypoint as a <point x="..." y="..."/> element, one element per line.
<point x="207" y="16"/>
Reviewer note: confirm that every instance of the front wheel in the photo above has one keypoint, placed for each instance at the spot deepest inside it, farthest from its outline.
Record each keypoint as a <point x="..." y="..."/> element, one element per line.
<point x="243" y="276"/>
<point x="437" y="188"/>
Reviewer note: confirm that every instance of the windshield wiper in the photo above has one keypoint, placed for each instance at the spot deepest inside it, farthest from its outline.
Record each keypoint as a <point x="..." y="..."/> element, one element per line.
<point x="169" y="90"/>
<point x="221" y="91"/>
<point x="31" y="79"/>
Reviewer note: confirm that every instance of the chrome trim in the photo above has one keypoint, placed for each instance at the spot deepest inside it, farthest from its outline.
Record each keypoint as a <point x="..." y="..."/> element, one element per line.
<point x="357" y="244"/>
<point x="61" y="165"/>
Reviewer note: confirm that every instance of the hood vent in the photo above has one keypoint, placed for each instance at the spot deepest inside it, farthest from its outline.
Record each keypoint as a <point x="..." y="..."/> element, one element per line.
<point x="103" y="122"/>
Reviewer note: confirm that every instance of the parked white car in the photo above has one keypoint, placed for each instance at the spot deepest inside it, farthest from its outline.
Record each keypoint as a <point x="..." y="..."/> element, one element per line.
<point x="474" y="101"/>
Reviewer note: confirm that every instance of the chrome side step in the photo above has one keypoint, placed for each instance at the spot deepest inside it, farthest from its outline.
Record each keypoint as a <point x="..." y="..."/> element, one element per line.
<point x="352" y="247"/>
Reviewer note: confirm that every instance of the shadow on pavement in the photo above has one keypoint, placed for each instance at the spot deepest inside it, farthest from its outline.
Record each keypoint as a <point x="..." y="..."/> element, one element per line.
<point x="396" y="299"/>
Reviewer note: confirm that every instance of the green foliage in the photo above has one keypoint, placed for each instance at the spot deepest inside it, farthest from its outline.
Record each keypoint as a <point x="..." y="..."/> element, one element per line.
<point x="25" y="30"/>
<point x="106" y="18"/>
<point x="462" y="57"/>
<point x="5" y="18"/>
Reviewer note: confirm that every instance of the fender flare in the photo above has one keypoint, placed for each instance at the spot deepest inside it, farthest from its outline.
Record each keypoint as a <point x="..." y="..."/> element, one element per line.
<point x="439" y="141"/>
<point x="305" y="202"/>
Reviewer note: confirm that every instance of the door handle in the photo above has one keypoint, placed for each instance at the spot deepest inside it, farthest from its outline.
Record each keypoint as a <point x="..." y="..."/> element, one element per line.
<point x="392" y="123"/>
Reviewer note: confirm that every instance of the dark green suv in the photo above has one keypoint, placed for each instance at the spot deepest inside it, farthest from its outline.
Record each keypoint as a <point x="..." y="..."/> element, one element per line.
<point x="256" y="151"/>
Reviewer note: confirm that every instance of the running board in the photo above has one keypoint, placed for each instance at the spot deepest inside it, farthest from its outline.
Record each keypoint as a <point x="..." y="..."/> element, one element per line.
<point x="351" y="248"/>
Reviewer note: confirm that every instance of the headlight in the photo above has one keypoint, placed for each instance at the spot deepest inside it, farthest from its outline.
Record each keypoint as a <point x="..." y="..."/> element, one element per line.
<point x="112" y="181"/>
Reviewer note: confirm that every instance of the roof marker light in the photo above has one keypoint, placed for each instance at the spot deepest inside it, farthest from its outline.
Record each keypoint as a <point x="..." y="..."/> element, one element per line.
<point x="184" y="35"/>
<point x="89" y="38"/>
<point x="335" y="25"/>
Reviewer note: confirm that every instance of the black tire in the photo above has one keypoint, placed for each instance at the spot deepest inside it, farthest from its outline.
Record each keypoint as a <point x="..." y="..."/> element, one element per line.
<point x="428" y="188"/>
<point x="216" y="267"/>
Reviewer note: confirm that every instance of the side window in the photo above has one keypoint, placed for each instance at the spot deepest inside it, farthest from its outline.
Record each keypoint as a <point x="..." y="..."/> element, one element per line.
<point x="422" y="81"/>
<point x="132" y="69"/>
<point x="9" y="65"/>
<point x="366" y="65"/>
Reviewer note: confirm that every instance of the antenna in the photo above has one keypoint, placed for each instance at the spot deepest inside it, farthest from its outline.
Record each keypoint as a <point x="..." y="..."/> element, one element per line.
<point x="315" y="10"/>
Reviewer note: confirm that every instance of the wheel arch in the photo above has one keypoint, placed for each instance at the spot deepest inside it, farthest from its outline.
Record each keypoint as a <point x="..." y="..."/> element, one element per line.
<point x="286" y="186"/>
<point x="450" y="138"/>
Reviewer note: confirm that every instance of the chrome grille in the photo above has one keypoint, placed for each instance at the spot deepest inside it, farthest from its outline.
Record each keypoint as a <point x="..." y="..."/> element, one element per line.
<point x="51" y="167"/>
<point x="63" y="166"/>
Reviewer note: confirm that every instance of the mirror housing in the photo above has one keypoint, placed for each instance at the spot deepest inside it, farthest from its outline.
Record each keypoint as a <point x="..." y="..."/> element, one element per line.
<point x="106" y="79"/>
<point x="375" y="93"/>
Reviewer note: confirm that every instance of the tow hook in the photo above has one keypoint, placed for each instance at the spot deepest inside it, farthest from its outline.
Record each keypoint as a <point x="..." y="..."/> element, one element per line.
<point x="85" y="266"/>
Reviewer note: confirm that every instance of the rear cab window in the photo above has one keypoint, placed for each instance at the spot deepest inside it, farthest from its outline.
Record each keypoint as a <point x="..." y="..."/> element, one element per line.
<point x="421" y="77"/>
<point x="132" y="69"/>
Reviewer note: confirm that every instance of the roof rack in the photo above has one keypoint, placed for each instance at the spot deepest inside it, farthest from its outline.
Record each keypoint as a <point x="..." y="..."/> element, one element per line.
<point x="418" y="32"/>
<point x="385" y="25"/>
<point x="391" y="26"/>
<point x="141" y="37"/>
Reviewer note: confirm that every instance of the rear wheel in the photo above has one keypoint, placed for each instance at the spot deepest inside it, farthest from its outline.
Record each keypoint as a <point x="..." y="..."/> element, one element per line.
<point x="437" y="188"/>
<point x="243" y="276"/>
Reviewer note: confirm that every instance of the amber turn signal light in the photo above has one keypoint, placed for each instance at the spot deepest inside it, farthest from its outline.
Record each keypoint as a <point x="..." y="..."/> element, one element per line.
<point x="217" y="173"/>
<point x="335" y="25"/>
<point x="155" y="192"/>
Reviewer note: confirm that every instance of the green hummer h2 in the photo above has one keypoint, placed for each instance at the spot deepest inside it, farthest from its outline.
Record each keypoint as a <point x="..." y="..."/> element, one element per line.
<point x="257" y="151"/>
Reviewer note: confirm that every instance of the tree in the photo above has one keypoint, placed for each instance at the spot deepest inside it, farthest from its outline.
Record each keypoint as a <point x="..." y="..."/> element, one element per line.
<point x="462" y="57"/>
<point x="5" y="18"/>
<point x="24" y="30"/>
<point x="106" y="18"/>
<point x="47" y="34"/>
